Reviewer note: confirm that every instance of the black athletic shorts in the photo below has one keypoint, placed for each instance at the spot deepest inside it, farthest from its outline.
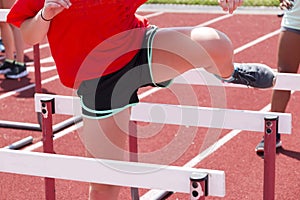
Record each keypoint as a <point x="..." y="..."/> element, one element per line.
<point x="107" y="95"/>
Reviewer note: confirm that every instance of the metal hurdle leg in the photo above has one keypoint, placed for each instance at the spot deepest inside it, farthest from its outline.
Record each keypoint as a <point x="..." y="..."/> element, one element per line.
<point x="47" y="110"/>
<point x="133" y="156"/>
<point x="199" y="186"/>
<point x="37" y="68"/>
<point x="20" y="144"/>
<point x="271" y="128"/>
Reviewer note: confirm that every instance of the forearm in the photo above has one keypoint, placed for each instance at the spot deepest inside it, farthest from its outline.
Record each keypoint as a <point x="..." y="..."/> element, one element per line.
<point x="35" y="29"/>
<point x="230" y="5"/>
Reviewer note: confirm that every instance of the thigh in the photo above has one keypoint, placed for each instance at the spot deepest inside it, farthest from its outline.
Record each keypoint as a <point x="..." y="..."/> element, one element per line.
<point x="106" y="138"/>
<point x="288" y="52"/>
<point x="176" y="50"/>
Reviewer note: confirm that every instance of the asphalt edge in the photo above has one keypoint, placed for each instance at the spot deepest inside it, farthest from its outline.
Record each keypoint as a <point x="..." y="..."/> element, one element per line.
<point x="179" y="8"/>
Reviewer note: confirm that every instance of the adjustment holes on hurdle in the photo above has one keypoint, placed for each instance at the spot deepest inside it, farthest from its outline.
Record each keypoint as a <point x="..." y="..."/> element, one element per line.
<point x="195" y="194"/>
<point x="195" y="185"/>
<point x="269" y="124"/>
<point x="198" y="185"/>
<point x="44" y="110"/>
<point x="268" y="131"/>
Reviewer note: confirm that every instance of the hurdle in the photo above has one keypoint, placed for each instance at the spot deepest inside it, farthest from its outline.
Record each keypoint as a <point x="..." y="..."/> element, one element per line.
<point x="173" y="114"/>
<point x="284" y="81"/>
<point x="133" y="174"/>
<point x="249" y="120"/>
<point x="200" y="182"/>
<point x="112" y="172"/>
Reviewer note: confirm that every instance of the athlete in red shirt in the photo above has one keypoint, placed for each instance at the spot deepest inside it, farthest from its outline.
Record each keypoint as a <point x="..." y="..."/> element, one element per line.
<point x="118" y="53"/>
<point x="86" y="20"/>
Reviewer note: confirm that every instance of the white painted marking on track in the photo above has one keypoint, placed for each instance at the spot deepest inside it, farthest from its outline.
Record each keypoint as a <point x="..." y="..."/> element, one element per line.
<point x="256" y="41"/>
<point x="215" y="20"/>
<point x="13" y="92"/>
<point x="154" y="14"/>
<point x="56" y="136"/>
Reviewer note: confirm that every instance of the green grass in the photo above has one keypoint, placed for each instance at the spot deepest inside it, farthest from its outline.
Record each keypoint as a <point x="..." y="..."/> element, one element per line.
<point x="215" y="2"/>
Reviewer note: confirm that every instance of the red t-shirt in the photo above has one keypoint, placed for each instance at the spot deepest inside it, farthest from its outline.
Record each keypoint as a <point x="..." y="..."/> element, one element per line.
<point x="90" y="39"/>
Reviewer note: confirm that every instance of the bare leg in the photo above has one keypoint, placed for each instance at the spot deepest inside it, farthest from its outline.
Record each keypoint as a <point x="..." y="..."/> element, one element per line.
<point x="180" y="49"/>
<point x="12" y="37"/>
<point x="8" y="40"/>
<point x="19" y="45"/>
<point x="288" y="62"/>
<point x="106" y="139"/>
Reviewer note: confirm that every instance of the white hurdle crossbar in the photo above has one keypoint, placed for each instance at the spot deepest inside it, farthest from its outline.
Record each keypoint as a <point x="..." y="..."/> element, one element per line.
<point x="284" y="81"/>
<point x="3" y="14"/>
<point x="182" y="115"/>
<point x="132" y="174"/>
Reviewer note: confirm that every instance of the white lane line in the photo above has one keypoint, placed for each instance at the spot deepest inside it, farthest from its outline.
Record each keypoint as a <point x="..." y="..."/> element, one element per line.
<point x="41" y="46"/>
<point x="180" y="8"/>
<point x="154" y="14"/>
<point x="256" y="41"/>
<point x="13" y="92"/>
<point x="193" y="162"/>
<point x="215" y="20"/>
<point x="56" y="136"/>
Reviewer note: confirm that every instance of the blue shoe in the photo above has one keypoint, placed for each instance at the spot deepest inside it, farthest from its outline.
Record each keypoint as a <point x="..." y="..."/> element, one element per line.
<point x="18" y="71"/>
<point x="6" y="67"/>
<point x="253" y="74"/>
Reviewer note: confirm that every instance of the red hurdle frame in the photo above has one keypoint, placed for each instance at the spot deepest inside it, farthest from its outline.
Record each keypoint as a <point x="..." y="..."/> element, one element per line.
<point x="271" y="129"/>
<point x="47" y="106"/>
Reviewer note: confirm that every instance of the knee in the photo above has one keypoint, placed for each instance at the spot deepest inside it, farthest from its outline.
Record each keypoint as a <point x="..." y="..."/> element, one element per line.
<point x="215" y="42"/>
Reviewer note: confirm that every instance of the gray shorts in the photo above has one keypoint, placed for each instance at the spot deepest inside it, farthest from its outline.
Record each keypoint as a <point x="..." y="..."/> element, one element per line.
<point x="107" y="95"/>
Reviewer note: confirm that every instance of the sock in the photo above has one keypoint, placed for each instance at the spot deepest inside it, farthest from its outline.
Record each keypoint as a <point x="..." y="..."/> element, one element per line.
<point x="9" y="61"/>
<point x="20" y="63"/>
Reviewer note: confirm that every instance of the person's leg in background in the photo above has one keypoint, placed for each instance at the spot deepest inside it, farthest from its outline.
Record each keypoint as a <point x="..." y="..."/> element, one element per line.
<point x="288" y="60"/>
<point x="14" y="66"/>
<point x="8" y="41"/>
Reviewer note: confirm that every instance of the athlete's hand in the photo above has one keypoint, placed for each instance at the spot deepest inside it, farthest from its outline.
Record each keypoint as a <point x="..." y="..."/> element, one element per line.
<point x="286" y="4"/>
<point x="53" y="7"/>
<point x="230" y="5"/>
